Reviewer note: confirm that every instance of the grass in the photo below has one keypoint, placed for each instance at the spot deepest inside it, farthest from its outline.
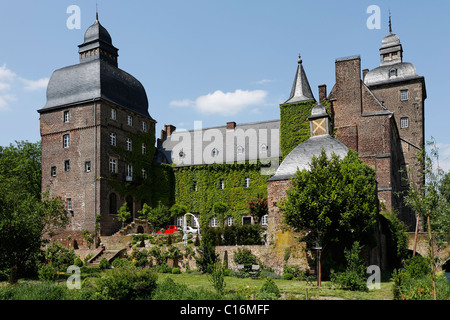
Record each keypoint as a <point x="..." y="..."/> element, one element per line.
<point x="241" y="287"/>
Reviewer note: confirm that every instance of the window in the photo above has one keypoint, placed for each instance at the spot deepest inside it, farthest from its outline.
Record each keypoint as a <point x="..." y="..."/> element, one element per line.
<point x="66" y="140"/>
<point x="144" y="148"/>
<point x="130" y="204"/>
<point x="66" y="116"/>
<point x="87" y="166"/>
<point x="112" y="203"/>
<point x="53" y="171"/>
<point x="179" y="221"/>
<point x="222" y="184"/>
<point x="144" y="174"/>
<point x="404" y="122"/>
<point x="194" y="186"/>
<point x="129" y="144"/>
<point x="181" y="154"/>
<point x="144" y="126"/>
<point x="247" y="182"/>
<point x="392" y="72"/>
<point x="113" y="165"/>
<point x="386" y="57"/>
<point x="69" y="203"/>
<point x="130" y="120"/>
<point x="229" y="221"/>
<point x="264" y="220"/>
<point x="129" y="176"/>
<point x="67" y="165"/>
<point x="112" y="139"/>
<point x="214" y="152"/>
<point x="113" y="114"/>
<point x="263" y="148"/>
<point x="240" y="150"/>
<point x="394" y="55"/>
<point x="404" y="95"/>
<point x="214" y="222"/>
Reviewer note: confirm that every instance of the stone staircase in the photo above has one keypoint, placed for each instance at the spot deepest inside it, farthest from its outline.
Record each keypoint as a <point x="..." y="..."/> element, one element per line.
<point x="110" y="255"/>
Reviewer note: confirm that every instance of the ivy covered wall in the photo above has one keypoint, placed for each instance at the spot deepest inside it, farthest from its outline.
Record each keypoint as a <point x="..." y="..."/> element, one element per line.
<point x="294" y="123"/>
<point x="199" y="188"/>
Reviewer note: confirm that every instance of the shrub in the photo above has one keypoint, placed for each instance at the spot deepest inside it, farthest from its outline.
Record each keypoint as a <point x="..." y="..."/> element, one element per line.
<point x="354" y="277"/>
<point x="78" y="262"/>
<point x="269" y="290"/>
<point x="217" y="277"/>
<point x="176" y="271"/>
<point x="59" y="256"/>
<point x="295" y="271"/>
<point x="246" y="257"/>
<point x="47" y="273"/>
<point x="417" y="266"/>
<point x="129" y="283"/>
<point x="288" y="276"/>
<point x="104" y="264"/>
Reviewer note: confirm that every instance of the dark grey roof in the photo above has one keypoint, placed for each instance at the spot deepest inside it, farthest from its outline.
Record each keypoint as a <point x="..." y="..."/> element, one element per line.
<point x="248" y="141"/>
<point x="96" y="79"/>
<point x="300" y="157"/>
<point x="301" y="91"/>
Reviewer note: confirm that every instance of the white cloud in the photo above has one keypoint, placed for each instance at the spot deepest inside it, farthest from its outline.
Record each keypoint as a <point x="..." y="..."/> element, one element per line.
<point x="5" y="99"/>
<point x="264" y="81"/>
<point x="32" y="85"/>
<point x="224" y="103"/>
<point x="6" y="74"/>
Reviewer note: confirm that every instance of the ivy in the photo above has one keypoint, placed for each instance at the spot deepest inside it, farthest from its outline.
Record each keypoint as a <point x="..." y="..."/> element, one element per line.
<point x="198" y="188"/>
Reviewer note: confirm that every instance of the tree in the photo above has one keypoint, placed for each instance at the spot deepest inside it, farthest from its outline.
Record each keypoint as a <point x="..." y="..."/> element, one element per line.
<point x="123" y="214"/>
<point x="333" y="204"/>
<point x="258" y="207"/>
<point x="26" y="215"/>
<point x="430" y="202"/>
<point x="158" y="217"/>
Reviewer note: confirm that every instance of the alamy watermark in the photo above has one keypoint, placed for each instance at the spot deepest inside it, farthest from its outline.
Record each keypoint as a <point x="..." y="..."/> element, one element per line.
<point x="74" y="20"/>
<point x="374" y="20"/>
<point x="373" y="281"/>
<point x="74" y="281"/>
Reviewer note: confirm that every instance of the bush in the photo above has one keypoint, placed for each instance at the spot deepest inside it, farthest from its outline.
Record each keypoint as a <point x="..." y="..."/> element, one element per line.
<point x="129" y="283"/>
<point x="246" y="257"/>
<point x="269" y="290"/>
<point x="288" y="276"/>
<point x="354" y="277"/>
<point x="417" y="267"/>
<point x="104" y="264"/>
<point x="295" y="271"/>
<point x="59" y="256"/>
<point x="176" y="271"/>
<point x="47" y="273"/>
<point x="217" y="277"/>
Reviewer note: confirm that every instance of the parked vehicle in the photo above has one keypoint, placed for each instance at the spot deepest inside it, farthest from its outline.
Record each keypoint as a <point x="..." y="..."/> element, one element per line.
<point x="170" y="229"/>
<point x="190" y="230"/>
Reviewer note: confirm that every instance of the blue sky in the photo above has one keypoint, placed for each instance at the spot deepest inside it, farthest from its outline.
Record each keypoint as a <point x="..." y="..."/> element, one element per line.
<point x="218" y="61"/>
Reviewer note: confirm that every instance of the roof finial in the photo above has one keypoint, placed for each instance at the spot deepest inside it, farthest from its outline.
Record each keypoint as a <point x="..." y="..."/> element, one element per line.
<point x="299" y="58"/>
<point x="96" y="11"/>
<point x="390" y="25"/>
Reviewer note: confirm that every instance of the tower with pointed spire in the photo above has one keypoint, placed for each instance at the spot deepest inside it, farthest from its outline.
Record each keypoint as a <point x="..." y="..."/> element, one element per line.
<point x="294" y="112"/>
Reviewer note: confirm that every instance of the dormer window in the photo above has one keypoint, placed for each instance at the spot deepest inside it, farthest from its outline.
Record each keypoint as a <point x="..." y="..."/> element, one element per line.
<point x="214" y="152"/>
<point x="392" y="72"/>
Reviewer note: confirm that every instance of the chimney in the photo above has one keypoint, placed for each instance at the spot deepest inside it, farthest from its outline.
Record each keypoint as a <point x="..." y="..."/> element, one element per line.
<point x="231" y="125"/>
<point x="322" y="92"/>
<point x="163" y="135"/>
<point x="364" y="73"/>
<point x="169" y="129"/>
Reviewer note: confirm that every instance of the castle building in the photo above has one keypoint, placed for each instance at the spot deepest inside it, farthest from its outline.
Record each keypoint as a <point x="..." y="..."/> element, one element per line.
<point x="95" y="124"/>
<point x="93" y="109"/>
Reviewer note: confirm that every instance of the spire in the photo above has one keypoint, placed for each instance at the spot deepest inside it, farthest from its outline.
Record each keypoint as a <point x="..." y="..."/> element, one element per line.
<point x="301" y="91"/>
<point x="390" y="25"/>
<point x="96" y="12"/>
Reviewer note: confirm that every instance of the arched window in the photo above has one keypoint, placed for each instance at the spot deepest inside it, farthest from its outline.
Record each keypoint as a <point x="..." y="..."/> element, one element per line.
<point x="129" y="201"/>
<point x="112" y="203"/>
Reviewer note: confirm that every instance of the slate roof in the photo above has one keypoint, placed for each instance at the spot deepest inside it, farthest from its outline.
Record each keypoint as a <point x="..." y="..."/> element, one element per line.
<point x="301" y="91"/>
<point x="248" y="141"/>
<point x="300" y="157"/>
<point x="96" y="77"/>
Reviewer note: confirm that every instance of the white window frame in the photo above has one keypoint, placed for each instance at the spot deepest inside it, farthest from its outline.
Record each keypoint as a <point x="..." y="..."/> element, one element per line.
<point x="222" y="184"/>
<point x="113" y="114"/>
<point x="404" y="122"/>
<point x="66" y="116"/>
<point x="247" y="182"/>
<point x="130" y="120"/>
<point x="144" y="126"/>
<point x="66" y="140"/>
<point x="129" y="176"/>
<point x="53" y="171"/>
<point x="230" y="221"/>
<point x="113" y="165"/>
<point x="264" y="220"/>
<point x="144" y="173"/>
<point x="129" y="144"/>
<point x="214" y="222"/>
<point x="87" y="166"/>
<point x="112" y="139"/>
<point x="69" y="203"/>
<point x="404" y="95"/>
<point x="144" y="148"/>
